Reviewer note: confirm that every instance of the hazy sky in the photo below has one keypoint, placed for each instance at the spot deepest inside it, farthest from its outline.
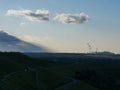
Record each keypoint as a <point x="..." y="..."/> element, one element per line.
<point x="64" y="25"/>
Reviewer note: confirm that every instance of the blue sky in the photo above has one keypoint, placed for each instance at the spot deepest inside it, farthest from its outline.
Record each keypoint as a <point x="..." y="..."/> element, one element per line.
<point x="101" y="31"/>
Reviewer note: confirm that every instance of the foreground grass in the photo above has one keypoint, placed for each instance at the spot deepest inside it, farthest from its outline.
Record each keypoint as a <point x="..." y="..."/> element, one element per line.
<point x="49" y="80"/>
<point x="70" y="68"/>
<point x="19" y="81"/>
<point x="50" y="74"/>
<point x="7" y="66"/>
<point x="80" y="86"/>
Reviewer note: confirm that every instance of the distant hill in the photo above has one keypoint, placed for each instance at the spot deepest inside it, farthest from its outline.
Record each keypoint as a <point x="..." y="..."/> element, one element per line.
<point x="103" y="53"/>
<point x="11" y="43"/>
<point x="76" y="57"/>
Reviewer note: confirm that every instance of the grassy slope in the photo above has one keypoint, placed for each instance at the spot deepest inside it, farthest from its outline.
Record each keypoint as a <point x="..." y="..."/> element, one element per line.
<point x="69" y="69"/>
<point x="7" y="65"/>
<point x="104" y="70"/>
<point x="20" y="81"/>
<point x="50" y="78"/>
<point x="17" y="62"/>
<point x="80" y="86"/>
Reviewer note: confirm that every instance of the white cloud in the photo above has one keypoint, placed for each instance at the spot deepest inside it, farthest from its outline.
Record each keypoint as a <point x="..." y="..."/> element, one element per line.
<point x="35" y="39"/>
<point x="72" y="18"/>
<point x="38" y="15"/>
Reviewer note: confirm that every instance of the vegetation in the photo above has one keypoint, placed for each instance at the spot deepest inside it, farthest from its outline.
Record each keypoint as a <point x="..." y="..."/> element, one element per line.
<point x="50" y="80"/>
<point x="20" y="81"/>
<point x="80" y="86"/>
<point x="20" y="72"/>
<point x="107" y="79"/>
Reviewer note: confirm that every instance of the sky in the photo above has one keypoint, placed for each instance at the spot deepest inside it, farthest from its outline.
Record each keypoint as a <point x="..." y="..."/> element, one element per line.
<point x="64" y="25"/>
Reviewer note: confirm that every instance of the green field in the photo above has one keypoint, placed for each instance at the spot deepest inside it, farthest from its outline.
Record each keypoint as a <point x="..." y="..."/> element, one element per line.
<point x="20" y="72"/>
<point x="80" y="86"/>
<point x="50" y="80"/>
<point x="19" y="81"/>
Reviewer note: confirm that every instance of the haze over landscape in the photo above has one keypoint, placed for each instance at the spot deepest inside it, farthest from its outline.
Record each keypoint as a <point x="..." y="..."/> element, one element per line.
<point x="63" y="26"/>
<point x="59" y="45"/>
<point x="11" y="43"/>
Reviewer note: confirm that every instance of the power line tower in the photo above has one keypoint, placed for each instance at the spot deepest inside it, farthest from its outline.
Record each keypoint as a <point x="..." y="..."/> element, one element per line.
<point x="96" y="50"/>
<point x="89" y="47"/>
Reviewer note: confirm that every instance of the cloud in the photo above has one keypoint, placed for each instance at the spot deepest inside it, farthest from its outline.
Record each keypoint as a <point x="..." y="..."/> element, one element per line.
<point x="72" y="18"/>
<point x="35" y="39"/>
<point x="38" y="15"/>
<point x="12" y="43"/>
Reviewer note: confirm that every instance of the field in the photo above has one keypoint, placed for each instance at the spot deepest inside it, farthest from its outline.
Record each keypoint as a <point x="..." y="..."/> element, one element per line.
<point x="81" y="72"/>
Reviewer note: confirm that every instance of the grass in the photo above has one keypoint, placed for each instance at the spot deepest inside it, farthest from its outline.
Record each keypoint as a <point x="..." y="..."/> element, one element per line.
<point x="49" y="80"/>
<point x="7" y="66"/>
<point x="80" y="86"/>
<point x="20" y="81"/>
<point x="70" y="68"/>
<point x="50" y="74"/>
